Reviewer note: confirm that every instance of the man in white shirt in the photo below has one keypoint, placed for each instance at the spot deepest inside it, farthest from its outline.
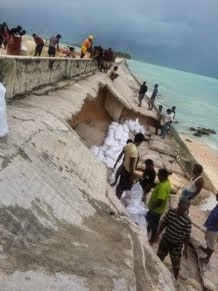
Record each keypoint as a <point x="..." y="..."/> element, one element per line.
<point x="167" y="122"/>
<point x="173" y="112"/>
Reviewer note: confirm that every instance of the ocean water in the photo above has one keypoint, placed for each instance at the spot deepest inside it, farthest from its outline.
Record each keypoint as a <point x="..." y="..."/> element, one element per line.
<point x="195" y="97"/>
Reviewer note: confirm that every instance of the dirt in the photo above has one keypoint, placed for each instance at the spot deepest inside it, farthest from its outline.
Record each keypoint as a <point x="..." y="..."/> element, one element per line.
<point x="92" y="122"/>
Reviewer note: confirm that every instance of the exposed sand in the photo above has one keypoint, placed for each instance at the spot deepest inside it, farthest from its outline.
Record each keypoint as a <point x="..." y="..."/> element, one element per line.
<point x="206" y="156"/>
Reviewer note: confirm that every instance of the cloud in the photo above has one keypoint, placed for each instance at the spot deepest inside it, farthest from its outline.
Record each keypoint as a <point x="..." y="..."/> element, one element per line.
<point x="176" y="33"/>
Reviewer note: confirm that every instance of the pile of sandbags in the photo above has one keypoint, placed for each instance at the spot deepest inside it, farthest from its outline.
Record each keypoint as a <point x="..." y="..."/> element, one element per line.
<point x="137" y="210"/>
<point x="117" y="137"/>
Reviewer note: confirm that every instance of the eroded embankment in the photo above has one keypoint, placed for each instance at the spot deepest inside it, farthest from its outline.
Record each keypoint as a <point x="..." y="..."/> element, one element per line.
<point x="62" y="228"/>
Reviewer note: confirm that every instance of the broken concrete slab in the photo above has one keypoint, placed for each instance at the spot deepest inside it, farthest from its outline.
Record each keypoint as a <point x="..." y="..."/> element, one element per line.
<point x="209" y="271"/>
<point x="155" y="156"/>
<point x="171" y="167"/>
<point x="162" y="147"/>
<point x="178" y="181"/>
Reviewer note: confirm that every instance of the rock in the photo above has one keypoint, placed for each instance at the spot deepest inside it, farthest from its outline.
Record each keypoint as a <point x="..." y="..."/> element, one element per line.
<point x="192" y="129"/>
<point x="172" y="167"/>
<point x="208" y="130"/>
<point x="198" y="134"/>
<point x="202" y="131"/>
<point x="188" y="140"/>
<point x="155" y="156"/>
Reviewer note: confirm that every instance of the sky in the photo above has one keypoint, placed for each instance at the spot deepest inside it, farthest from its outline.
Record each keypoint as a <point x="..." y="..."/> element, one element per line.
<point x="181" y="34"/>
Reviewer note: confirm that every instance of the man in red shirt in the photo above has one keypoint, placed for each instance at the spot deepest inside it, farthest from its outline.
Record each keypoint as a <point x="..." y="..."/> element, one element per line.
<point x="39" y="45"/>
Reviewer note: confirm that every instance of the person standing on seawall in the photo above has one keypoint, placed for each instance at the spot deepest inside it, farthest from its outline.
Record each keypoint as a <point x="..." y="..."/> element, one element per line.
<point x="143" y="89"/>
<point x="86" y="46"/>
<point x="148" y="177"/>
<point x="211" y="225"/>
<point x="167" y="123"/>
<point x="129" y="165"/>
<point x="158" y="202"/>
<point x="119" y="170"/>
<point x="39" y="45"/>
<point x="153" y="97"/>
<point x="178" y="229"/>
<point x="54" y="41"/>
<point x="158" y="119"/>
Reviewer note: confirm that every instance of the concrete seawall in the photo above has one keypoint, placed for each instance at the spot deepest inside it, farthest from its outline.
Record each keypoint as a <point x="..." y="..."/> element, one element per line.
<point x="21" y="75"/>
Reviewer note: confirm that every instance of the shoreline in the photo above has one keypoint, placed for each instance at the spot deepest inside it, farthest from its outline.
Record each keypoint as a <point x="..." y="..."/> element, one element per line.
<point x="201" y="152"/>
<point x="205" y="155"/>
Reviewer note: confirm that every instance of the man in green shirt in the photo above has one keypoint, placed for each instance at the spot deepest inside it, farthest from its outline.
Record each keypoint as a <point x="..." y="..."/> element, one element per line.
<point x="158" y="202"/>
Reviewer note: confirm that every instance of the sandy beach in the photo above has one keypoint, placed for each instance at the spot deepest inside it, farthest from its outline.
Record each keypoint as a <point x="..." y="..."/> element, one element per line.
<point x="205" y="155"/>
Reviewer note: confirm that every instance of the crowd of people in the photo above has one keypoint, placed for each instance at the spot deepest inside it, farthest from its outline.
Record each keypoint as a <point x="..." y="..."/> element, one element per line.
<point x="175" y="223"/>
<point x="11" y="40"/>
<point x="162" y="121"/>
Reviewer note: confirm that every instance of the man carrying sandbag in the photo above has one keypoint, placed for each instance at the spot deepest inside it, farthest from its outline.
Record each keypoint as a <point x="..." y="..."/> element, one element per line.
<point x="129" y="165"/>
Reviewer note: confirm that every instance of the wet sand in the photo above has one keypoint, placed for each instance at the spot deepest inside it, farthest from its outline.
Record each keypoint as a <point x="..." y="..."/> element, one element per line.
<point x="205" y="155"/>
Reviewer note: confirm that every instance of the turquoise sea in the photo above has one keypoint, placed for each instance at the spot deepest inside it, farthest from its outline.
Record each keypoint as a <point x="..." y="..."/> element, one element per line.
<point x="195" y="97"/>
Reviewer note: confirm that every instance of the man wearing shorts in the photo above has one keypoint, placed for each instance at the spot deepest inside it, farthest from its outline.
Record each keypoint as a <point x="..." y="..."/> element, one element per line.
<point x="158" y="202"/>
<point x="129" y="165"/>
<point x="39" y="45"/>
<point x="153" y="97"/>
<point x="143" y="89"/>
<point x="212" y="234"/>
<point x="178" y="229"/>
<point x="54" y="41"/>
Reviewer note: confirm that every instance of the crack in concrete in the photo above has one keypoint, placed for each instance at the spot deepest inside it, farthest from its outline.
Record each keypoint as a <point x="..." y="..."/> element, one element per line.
<point x="22" y="119"/>
<point x="20" y="151"/>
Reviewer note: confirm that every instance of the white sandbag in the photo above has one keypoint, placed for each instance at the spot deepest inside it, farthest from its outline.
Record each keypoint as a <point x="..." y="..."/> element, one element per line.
<point x="143" y="222"/>
<point x="131" y="125"/>
<point x="94" y="150"/>
<point x="142" y="129"/>
<point x="3" y="113"/>
<point x="100" y="156"/>
<point x="125" y="128"/>
<point x="137" y="191"/>
<point x="111" y="179"/>
<point x="109" y="142"/>
<point x="137" y="126"/>
<point x="109" y="162"/>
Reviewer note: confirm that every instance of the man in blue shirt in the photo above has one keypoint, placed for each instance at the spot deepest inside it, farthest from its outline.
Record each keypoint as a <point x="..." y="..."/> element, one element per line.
<point x="212" y="233"/>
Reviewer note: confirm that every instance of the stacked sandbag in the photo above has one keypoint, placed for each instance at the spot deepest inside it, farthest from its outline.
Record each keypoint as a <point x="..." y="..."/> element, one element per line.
<point x="134" y="205"/>
<point x="116" y="139"/>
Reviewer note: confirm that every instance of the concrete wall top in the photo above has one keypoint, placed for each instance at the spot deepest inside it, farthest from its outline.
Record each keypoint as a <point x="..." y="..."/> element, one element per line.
<point x="22" y="74"/>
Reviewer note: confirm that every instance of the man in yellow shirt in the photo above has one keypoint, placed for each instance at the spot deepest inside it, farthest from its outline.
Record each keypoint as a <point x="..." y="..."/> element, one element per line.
<point x="129" y="165"/>
<point x="87" y="45"/>
<point x="158" y="202"/>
